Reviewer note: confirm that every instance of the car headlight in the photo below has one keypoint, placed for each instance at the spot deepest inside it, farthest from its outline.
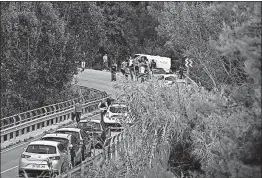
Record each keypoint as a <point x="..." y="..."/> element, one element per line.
<point x="25" y="156"/>
<point x="55" y="158"/>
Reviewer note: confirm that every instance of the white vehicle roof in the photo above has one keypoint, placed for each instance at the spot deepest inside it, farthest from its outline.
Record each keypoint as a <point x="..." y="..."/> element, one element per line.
<point x="57" y="135"/>
<point x="169" y="75"/>
<point x="44" y="142"/>
<point x="151" y="56"/>
<point x="118" y="104"/>
<point x="69" y="129"/>
<point x="93" y="120"/>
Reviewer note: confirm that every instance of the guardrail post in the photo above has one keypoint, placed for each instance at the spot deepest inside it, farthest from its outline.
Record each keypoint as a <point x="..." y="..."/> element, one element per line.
<point x="82" y="169"/>
<point x="7" y="137"/>
<point x="19" y="132"/>
<point x="14" y="134"/>
<point x="69" y="175"/>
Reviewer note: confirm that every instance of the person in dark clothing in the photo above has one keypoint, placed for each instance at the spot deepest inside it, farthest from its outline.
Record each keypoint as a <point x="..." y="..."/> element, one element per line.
<point x="113" y="72"/>
<point x="103" y="107"/>
<point x="73" y="155"/>
<point x="153" y="64"/>
<point x="108" y="101"/>
<point x="78" y="111"/>
<point x="181" y="71"/>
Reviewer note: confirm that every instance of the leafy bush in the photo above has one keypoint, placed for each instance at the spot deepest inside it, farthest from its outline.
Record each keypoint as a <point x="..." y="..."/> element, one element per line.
<point x="202" y="133"/>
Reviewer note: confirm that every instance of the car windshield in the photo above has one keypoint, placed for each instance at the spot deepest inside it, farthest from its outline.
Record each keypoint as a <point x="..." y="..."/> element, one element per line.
<point x="159" y="71"/>
<point x="64" y="141"/>
<point x="118" y="109"/>
<point x="170" y="78"/>
<point x="41" y="149"/>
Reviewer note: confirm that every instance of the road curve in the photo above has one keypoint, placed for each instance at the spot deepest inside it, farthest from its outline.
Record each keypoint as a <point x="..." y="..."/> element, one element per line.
<point x="99" y="80"/>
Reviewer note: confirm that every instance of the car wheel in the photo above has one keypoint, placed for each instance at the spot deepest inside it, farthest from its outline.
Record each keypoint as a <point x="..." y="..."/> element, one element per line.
<point x="55" y="174"/>
<point x="21" y="173"/>
<point x="64" y="168"/>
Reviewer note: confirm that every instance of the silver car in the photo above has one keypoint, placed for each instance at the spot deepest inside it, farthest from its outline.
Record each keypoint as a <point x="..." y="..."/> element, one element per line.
<point x="85" y="143"/>
<point x="67" y="140"/>
<point x="43" y="157"/>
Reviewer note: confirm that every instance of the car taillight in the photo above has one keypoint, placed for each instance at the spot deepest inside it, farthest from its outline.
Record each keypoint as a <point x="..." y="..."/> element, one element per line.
<point x="107" y="114"/>
<point x="25" y="156"/>
<point x="55" y="158"/>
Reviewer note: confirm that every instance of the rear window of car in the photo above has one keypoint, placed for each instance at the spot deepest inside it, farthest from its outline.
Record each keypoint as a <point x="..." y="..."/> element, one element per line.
<point x="159" y="71"/>
<point x="41" y="149"/>
<point x="64" y="141"/>
<point x="86" y="125"/>
<point x="118" y="109"/>
<point x="76" y="134"/>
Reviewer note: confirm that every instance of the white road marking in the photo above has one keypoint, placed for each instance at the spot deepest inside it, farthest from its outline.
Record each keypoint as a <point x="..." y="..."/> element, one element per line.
<point x="9" y="169"/>
<point x="33" y="139"/>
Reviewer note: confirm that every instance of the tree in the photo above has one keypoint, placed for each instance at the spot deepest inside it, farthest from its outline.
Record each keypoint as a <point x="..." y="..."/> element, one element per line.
<point x="33" y="56"/>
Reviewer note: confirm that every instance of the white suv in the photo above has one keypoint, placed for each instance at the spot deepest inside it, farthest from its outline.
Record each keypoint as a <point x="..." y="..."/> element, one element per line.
<point x="117" y="114"/>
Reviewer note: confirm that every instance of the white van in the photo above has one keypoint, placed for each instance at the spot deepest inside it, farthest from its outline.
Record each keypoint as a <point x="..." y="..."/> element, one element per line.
<point x="161" y="62"/>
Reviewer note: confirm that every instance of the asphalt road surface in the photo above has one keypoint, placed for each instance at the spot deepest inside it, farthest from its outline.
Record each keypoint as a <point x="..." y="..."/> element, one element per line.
<point x="90" y="78"/>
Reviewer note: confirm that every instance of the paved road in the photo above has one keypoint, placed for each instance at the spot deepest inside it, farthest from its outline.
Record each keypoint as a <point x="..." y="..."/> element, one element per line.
<point x="95" y="79"/>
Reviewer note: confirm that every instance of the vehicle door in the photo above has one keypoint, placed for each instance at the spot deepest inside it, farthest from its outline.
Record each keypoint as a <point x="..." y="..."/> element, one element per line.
<point x="76" y="146"/>
<point x="64" y="155"/>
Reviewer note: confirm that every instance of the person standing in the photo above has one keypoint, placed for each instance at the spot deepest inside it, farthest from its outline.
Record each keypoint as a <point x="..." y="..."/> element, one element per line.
<point x="131" y="68"/>
<point x="83" y="65"/>
<point x="103" y="107"/>
<point x="123" y="66"/>
<point x="127" y="69"/>
<point x="78" y="112"/>
<point x="136" y="67"/>
<point x="113" y="72"/>
<point x="181" y="72"/>
<point x="72" y="155"/>
<point x="105" y="62"/>
<point x="153" y="64"/>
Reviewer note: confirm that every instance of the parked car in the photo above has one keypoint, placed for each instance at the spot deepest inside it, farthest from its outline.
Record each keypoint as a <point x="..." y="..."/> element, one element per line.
<point x="43" y="156"/>
<point x="168" y="79"/>
<point x="95" y="130"/>
<point x="116" y="115"/>
<point x="82" y="136"/>
<point x="158" y="73"/>
<point x="67" y="140"/>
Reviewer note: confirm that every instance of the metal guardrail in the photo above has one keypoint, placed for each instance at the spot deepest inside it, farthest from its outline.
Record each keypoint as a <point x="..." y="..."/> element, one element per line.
<point x="82" y="167"/>
<point x="25" y="122"/>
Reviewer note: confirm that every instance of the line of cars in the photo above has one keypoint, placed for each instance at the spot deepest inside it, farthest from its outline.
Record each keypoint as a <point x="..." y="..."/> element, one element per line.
<point x="53" y="152"/>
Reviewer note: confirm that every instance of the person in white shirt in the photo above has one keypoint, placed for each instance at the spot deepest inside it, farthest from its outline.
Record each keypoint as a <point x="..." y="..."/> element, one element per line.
<point x="131" y="68"/>
<point x="105" y="62"/>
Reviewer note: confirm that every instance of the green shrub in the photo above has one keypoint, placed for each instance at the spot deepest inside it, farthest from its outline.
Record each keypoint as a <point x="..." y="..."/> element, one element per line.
<point x="206" y="134"/>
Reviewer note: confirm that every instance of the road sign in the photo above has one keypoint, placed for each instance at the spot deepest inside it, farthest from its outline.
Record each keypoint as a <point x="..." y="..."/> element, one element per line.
<point x="189" y="62"/>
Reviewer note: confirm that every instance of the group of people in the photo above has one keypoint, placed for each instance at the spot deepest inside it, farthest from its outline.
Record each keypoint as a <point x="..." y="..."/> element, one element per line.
<point x="137" y="67"/>
<point x="134" y="68"/>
